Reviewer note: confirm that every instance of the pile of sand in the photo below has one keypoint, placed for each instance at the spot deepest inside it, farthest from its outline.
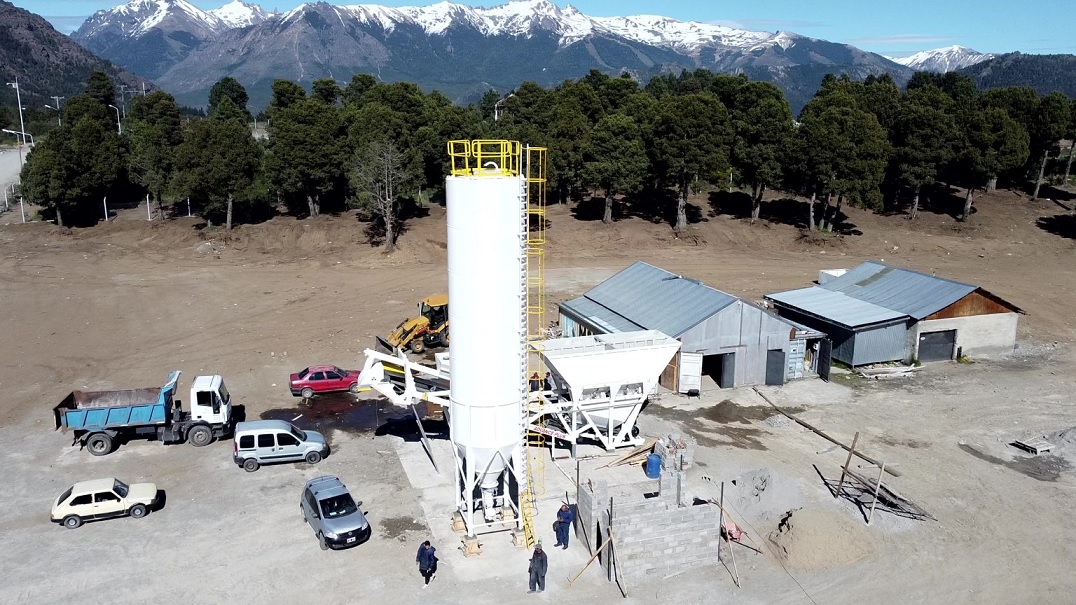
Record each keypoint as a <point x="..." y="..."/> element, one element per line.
<point x="814" y="540"/>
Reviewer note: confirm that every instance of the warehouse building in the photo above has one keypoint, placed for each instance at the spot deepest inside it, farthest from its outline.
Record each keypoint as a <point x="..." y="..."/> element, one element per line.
<point x="734" y="342"/>
<point x="878" y="313"/>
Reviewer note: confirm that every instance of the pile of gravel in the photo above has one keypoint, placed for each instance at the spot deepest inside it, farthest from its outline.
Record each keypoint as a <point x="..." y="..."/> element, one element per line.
<point x="778" y="421"/>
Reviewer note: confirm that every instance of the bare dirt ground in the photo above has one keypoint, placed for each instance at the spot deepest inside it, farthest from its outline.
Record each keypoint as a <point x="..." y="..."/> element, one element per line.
<point x="119" y="305"/>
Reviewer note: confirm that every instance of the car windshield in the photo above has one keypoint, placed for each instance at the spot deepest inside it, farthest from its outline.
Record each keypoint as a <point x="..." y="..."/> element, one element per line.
<point x="120" y="488"/>
<point x="224" y="395"/>
<point x="342" y="373"/>
<point x="301" y="436"/>
<point x="67" y="494"/>
<point x="303" y="374"/>
<point x="338" y="506"/>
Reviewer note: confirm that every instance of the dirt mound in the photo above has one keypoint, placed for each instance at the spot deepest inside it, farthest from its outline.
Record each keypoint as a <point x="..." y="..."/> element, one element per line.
<point x="814" y="540"/>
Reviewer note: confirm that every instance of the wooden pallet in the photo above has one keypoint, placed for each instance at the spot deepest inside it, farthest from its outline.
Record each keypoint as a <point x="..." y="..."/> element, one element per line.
<point x="1035" y="445"/>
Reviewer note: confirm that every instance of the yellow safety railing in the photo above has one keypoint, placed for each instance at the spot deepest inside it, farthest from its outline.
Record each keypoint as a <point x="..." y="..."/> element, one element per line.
<point x="484" y="157"/>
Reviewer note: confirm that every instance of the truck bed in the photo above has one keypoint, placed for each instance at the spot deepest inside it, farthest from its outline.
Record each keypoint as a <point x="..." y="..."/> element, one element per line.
<point x="87" y="410"/>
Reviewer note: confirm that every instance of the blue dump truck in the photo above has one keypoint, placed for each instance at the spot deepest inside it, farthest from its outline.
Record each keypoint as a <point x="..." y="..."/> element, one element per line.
<point x="101" y="418"/>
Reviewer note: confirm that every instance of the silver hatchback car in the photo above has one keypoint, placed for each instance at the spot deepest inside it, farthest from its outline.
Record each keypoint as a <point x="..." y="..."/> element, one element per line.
<point x="335" y="517"/>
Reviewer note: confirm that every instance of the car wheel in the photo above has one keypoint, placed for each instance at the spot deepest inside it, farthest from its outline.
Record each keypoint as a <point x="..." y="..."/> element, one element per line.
<point x="72" y="521"/>
<point x="313" y="457"/>
<point x="250" y="465"/>
<point x="308" y="393"/>
<point x="99" y="444"/>
<point x="321" y="541"/>
<point x="302" y="513"/>
<point x="138" y="511"/>
<point x="354" y="387"/>
<point x="200" y="436"/>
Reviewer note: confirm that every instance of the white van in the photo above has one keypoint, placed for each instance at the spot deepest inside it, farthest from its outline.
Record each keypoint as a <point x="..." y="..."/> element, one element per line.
<point x="263" y="441"/>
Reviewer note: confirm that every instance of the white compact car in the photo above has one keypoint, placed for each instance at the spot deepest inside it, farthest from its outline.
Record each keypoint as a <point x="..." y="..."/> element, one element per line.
<point x="101" y="499"/>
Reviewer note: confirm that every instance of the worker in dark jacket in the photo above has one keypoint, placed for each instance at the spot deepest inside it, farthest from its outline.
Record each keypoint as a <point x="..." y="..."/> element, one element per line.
<point x="539" y="565"/>
<point x="564" y="522"/>
<point x="427" y="561"/>
<point x="535" y="382"/>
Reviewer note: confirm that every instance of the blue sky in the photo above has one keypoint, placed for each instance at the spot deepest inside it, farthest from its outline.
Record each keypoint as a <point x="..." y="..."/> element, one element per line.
<point x="883" y="26"/>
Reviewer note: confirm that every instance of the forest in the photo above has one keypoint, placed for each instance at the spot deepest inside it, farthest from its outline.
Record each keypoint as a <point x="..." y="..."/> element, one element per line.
<point x="615" y="145"/>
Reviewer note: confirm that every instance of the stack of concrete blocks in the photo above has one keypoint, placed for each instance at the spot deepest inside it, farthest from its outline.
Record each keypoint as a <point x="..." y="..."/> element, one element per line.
<point x="677" y="451"/>
<point x="651" y="535"/>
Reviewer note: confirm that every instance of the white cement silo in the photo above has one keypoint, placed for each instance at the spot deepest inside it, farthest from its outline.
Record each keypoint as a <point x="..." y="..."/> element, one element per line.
<point x="486" y="269"/>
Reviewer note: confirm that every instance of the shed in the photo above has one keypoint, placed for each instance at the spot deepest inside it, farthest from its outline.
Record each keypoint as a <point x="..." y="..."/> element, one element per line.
<point x="877" y="312"/>
<point x="733" y="341"/>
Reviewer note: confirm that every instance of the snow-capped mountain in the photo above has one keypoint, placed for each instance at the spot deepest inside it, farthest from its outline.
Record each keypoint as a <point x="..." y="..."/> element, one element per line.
<point x="138" y="18"/>
<point x="148" y="36"/>
<point x="186" y="49"/>
<point x="950" y="58"/>
<point x="239" y="14"/>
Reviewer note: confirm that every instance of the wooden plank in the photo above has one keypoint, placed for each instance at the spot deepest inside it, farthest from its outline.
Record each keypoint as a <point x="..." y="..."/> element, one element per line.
<point x="818" y="432"/>
<point x="639" y="450"/>
<point x="844" y="470"/>
<point x="590" y="560"/>
<point x="877" y="487"/>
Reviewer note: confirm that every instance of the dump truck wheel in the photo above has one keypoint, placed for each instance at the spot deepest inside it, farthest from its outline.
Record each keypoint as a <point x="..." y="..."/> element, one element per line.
<point x="444" y="339"/>
<point x="99" y="444"/>
<point x="72" y="521"/>
<point x="417" y="347"/>
<point x="138" y="511"/>
<point x="200" y="436"/>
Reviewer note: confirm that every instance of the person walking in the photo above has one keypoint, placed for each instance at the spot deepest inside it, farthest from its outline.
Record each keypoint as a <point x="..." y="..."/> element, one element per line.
<point x="427" y="562"/>
<point x="564" y="522"/>
<point x="539" y="565"/>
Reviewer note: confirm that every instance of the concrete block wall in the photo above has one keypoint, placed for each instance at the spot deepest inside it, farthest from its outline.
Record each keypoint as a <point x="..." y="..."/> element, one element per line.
<point x="655" y="535"/>
<point x="593" y="498"/>
<point x="677" y="451"/>
<point x="656" y="538"/>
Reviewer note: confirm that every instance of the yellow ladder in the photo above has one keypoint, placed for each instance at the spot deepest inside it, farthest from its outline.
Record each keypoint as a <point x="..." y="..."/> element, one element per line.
<point x="534" y="217"/>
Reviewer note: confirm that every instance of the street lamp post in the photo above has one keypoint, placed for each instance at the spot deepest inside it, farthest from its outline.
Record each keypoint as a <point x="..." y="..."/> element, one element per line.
<point x="119" y="124"/>
<point x="22" y="124"/>
<point x="57" y="108"/>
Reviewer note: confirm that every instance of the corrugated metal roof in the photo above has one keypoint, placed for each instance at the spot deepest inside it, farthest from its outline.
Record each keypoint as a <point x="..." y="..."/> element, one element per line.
<point x="910" y="292"/>
<point x="645" y="297"/>
<point x="836" y="307"/>
<point x="655" y="299"/>
<point x="588" y="310"/>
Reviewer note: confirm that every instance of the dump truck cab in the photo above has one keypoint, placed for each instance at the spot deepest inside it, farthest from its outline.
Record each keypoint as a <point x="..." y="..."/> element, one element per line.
<point x="210" y="400"/>
<point x="428" y="329"/>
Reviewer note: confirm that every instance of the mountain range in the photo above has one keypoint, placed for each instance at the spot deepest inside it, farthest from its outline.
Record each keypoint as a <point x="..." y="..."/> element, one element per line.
<point x="46" y="62"/>
<point x="460" y="50"/>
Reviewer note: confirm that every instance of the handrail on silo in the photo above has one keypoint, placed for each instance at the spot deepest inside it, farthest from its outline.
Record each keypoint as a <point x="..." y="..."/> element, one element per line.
<point x="484" y="157"/>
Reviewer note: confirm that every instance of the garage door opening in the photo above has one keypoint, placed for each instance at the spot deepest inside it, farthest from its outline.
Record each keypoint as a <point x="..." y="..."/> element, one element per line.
<point x="937" y="346"/>
<point x="721" y="368"/>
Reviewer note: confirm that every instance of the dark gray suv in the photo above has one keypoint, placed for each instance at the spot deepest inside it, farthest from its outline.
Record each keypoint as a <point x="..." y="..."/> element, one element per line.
<point x="335" y="517"/>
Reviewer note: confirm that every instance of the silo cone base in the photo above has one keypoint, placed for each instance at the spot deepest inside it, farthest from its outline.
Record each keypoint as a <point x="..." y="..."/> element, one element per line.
<point x="458" y="525"/>
<point x="519" y="538"/>
<point x="471" y="546"/>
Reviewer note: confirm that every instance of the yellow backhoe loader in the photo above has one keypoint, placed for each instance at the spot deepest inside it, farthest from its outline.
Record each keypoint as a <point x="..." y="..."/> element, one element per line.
<point x="429" y="329"/>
